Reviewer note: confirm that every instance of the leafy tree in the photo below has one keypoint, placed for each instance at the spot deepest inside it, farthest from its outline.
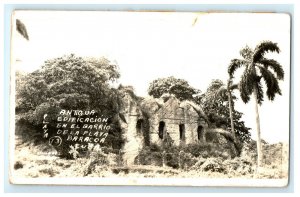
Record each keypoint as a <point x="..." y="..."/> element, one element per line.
<point x="179" y="87"/>
<point x="216" y="105"/>
<point x="69" y="82"/>
<point x="257" y="67"/>
<point x="224" y="91"/>
<point x="72" y="82"/>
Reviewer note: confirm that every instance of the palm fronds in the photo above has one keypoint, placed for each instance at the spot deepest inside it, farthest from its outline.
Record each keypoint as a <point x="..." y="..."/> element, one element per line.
<point x="274" y="65"/>
<point x="263" y="48"/>
<point x="247" y="84"/>
<point x="271" y="82"/>
<point x="234" y="65"/>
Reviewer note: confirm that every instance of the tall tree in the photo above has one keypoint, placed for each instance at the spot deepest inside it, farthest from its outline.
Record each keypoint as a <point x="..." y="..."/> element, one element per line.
<point x="224" y="91"/>
<point x="216" y="105"/>
<point x="69" y="82"/>
<point x="257" y="67"/>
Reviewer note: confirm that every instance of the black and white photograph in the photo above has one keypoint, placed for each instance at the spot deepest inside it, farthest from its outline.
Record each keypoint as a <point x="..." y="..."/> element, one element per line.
<point x="150" y="98"/>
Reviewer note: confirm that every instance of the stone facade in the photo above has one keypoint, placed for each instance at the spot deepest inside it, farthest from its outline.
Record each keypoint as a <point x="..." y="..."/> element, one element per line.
<point x="178" y="121"/>
<point x="151" y="121"/>
<point x="133" y="139"/>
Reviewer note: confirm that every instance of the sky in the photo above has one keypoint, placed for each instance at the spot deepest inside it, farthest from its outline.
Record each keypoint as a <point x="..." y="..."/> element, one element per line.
<point x="196" y="47"/>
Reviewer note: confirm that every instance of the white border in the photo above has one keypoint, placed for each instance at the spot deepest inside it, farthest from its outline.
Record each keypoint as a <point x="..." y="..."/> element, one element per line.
<point x="296" y="60"/>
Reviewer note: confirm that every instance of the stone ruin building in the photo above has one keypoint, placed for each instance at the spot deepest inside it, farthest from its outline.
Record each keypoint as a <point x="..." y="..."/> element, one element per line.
<point x="151" y="121"/>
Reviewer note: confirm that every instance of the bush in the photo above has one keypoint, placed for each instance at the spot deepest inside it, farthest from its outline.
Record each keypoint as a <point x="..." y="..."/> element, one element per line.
<point x="29" y="133"/>
<point x="148" y="157"/>
<point x="154" y="148"/>
<point x="49" y="171"/>
<point x="239" y="166"/>
<point x="211" y="150"/>
<point x="210" y="164"/>
<point x="93" y="158"/>
<point x="187" y="160"/>
<point x="172" y="160"/>
<point x="173" y="157"/>
<point x="198" y="149"/>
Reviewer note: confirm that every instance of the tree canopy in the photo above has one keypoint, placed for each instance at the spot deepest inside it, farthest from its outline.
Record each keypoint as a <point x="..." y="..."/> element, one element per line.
<point x="68" y="82"/>
<point x="217" y="110"/>
<point x="179" y="87"/>
<point x="258" y="67"/>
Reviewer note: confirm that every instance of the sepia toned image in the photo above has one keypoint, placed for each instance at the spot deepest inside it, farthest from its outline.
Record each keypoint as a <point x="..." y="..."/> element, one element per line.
<point x="150" y="98"/>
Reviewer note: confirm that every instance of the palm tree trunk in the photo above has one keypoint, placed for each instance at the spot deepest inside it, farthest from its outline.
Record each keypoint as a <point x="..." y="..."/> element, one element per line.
<point x="230" y="112"/>
<point x="258" y="142"/>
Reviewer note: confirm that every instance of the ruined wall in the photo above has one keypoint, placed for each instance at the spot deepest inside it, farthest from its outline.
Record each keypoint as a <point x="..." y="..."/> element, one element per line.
<point x="172" y="116"/>
<point x="192" y="123"/>
<point x="154" y="120"/>
<point x="180" y="123"/>
<point x="133" y="139"/>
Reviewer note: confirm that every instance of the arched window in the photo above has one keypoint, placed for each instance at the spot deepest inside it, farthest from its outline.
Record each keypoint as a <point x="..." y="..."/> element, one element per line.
<point x="139" y="126"/>
<point x="182" y="132"/>
<point x="161" y="129"/>
<point x="200" y="132"/>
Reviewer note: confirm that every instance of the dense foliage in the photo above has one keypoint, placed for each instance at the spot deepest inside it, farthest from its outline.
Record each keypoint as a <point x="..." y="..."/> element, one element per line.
<point x="179" y="87"/>
<point x="217" y="110"/>
<point x="68" y="82"/>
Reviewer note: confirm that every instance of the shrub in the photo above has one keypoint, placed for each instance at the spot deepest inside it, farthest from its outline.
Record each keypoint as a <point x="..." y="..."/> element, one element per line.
<point x="172" y="160"/>
<point x="148" y="157"/>
<point x="239" y="166"/>
<point x="211" y="150"/>
<point x="154" y="148"/>
<point x="186" y="160"/>
<point x="213" y="165"/>
<point x="92" y="158"/>
<point x="198" y="164"/>
<point x="198" y="149"/>
<point x="173" y="157"/>
<point x="49" y="171"/>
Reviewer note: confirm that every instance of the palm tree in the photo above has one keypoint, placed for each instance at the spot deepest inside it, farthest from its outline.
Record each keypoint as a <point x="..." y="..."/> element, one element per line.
<point x="224" y="91"/>
<point x="258" y="67"/>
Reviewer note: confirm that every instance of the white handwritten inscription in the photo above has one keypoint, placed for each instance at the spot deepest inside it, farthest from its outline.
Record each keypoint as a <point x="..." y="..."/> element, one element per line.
<point x="78" y="126"/>
<point x="45" y="126"/>
<point x="55" y="141"/>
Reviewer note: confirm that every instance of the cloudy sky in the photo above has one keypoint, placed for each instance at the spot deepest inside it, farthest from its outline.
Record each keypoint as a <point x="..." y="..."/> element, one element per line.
<point x="194" y="46"/>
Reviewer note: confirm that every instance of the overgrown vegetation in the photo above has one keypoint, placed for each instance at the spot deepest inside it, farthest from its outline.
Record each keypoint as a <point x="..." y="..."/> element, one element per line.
<point x="217" y="110"/>
<point x="72" y="82"/>
<point x="185" y="156"/>
<point x="171" y="85"/>
<point x="68" y="82"/>
<point x="105" y="163"/>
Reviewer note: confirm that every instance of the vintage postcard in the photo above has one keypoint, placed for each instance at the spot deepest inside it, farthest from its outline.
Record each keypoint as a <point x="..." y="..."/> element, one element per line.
<point x="150" y="98"/>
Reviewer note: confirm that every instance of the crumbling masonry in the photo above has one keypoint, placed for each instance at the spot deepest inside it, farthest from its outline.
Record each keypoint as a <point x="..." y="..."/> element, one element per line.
<point x="151" y="121"/>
